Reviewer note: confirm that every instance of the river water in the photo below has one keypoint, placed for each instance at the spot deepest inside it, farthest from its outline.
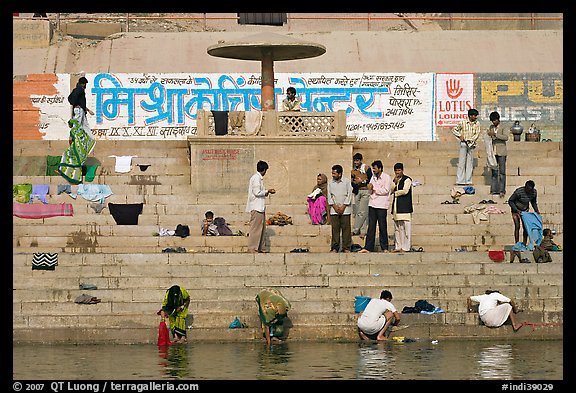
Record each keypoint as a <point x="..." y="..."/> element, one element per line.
<point x="414" y="360"/>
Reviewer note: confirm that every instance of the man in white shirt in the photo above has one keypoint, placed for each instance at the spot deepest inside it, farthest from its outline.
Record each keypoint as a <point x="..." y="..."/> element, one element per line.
<point x="256" y="206"/>
<point x="361" y="175"/>
<point x="340" y="204"/>
<point x="467" y="132"/>
<point x="494" y="309"/>
<point x="377" y="317"/>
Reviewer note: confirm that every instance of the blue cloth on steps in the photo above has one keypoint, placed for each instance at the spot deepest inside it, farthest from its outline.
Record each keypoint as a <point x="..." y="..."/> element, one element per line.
<point x="93" y="192"/>
<point x="520" y="246"/>
<point x="533" y="223"/>
<point x="40" y="191"/>
<point x="437" y="310"/>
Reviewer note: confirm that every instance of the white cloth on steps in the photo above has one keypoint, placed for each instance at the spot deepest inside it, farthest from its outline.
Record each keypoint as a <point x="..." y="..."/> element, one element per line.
<point x="123" y="163"/>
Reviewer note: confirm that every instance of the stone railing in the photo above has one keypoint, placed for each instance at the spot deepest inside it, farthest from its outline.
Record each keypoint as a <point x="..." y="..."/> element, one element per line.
<point x="272" y="123"/>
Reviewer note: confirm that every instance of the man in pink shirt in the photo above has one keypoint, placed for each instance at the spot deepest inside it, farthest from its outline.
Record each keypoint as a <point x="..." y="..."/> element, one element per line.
<point x="380" y="187"/>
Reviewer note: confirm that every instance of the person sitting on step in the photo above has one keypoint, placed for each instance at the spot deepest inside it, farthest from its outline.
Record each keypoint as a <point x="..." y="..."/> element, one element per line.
<point x="208" y="226"/>
<point x="547" y="242"/>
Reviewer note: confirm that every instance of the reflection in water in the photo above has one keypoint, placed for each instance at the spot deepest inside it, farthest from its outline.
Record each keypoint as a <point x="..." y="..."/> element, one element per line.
<point x="494" y="362"/>
<point x="291" y="360"/>
<point x="174" y="360"/>
<point x="273" y="362"/>
<point x="398" y="360"/>
<point x="374" y="361"/>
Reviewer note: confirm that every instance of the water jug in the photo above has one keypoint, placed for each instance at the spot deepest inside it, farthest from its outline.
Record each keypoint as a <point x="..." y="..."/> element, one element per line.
<point x="516" y="130"/>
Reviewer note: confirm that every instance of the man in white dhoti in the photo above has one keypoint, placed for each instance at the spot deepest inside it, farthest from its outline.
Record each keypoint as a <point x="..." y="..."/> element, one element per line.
<point x="494" y="309"/>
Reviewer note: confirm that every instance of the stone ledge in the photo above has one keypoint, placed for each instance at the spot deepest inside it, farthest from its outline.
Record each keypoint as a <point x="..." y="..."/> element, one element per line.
<point x="91" y="30"/>
<point x="148" y="335"/>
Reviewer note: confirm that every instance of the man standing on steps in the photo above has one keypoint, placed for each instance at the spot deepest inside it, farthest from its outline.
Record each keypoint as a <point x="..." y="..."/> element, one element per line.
<point x="467" y="131"/>
<point x="380" y="188"/>
<point x="361" y="175"/>
<point x="402" y="209"/>
<point x="256" y="206"/>
<point x="77" y="99"/>
<point x="519" y="202"/>
<point x="498" y="137"/>
<point x="339" y="202"/>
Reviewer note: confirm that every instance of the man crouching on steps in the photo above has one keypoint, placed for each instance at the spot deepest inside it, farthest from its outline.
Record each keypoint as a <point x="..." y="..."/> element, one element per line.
<point x="494" y="309"/>
<point x="377" y="318"/>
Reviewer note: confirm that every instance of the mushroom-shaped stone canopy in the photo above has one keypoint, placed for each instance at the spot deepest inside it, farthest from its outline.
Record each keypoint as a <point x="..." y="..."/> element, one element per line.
<point x="258" y="46"/>
<point x="267" y="48"/>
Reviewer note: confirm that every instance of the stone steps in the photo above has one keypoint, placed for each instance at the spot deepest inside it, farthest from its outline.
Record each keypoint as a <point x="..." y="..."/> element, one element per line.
<point x="173" y="175"/>
<point x="426" y="195"/>
<point x="421" y="274"/>
<point x="242" y="308"/>
<point x="76" y="242"/>
<point x="422" y="158"/>
<point x="84" y="211"/>
<point x="127" y="264"/>
<point x="236" y="244"/>
<point x="441" y="332"/>
<point x="497" y="226"/>
<point x="33" y="166"/>
<point x="436" y="231"/>
<point x="99" y="318"/>
<point x="321" y="288"/>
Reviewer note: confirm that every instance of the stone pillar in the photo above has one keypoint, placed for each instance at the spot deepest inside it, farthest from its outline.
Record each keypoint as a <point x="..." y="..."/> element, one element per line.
<point x="267" y="95"/>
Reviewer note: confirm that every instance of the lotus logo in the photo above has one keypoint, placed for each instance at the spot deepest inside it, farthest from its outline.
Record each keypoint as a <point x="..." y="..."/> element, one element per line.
<point x="453" y="88"/>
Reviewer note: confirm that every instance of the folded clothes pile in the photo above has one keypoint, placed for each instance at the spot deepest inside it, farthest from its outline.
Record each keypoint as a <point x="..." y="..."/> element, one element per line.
<point x="174" y="249"/>
<point x="85" y="285"/>
<point x="87" y="299"/>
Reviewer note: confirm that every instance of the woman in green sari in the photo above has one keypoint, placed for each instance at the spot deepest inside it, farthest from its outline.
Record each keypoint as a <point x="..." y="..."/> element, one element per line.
<point x="272" y="308"/>
<point x="80" y="146"/>
<point x="175" y="308"/>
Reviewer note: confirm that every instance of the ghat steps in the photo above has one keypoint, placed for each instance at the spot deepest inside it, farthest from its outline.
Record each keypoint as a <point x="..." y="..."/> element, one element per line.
<point x="131" y="272"/>
<point x="164" y="189"/>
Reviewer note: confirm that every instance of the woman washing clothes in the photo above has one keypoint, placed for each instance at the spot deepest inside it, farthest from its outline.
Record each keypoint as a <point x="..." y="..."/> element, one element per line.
<point x="175" y="308"/>
<point x="272" y="309"/>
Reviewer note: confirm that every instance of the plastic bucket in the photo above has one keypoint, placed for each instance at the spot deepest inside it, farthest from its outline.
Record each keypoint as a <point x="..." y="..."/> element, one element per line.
<point x="360" y="303"/>
<point x="496" y="255"/>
